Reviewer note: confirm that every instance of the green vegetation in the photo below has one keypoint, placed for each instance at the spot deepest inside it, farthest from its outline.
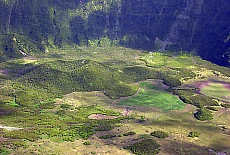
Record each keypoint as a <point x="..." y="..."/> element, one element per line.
<point x="151" y="97"/>
<point x="155" y="59"/>
<point x="87" y="143"/>
<point x="198" y="100"/>
<point x="34" y="96"/>
<point x="145" y="147"/>
<point x="50" y="49"/>
<point x="56" y="78"/>
<point x="137" y="73"/>
<point x="104" y="126"/>
<point x="225" y="105"/>
<point x="66" y="127"/>
<point x="216" y="90"/>
<point x="194" y="134"/>
<point x="159" y="134"/>
<point x="172" y="82"/>
<point x="212" y="108"/>
<point x="203" y="114"/>
<point x="129" y="133"/>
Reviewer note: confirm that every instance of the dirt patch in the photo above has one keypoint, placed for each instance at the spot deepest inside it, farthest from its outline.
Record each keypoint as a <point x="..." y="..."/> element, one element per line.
<point x="126" y="111"/>
<point x="4" y="112"/>
<point x="29" y="58"/>
<point x="227" y="86"/>
<point x="4" y="71"/>
<point x="201" y="84"/>
<point x="9" y="128"/>
<point x="100" y="117"/>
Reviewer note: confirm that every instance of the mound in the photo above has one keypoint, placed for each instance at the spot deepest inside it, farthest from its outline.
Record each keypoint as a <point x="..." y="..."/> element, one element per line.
<point x="56" y="78"/>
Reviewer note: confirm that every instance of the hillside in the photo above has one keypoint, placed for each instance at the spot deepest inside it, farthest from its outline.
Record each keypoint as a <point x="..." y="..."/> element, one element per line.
<point x="114" y="77"/>
<point x="200" y="26"/>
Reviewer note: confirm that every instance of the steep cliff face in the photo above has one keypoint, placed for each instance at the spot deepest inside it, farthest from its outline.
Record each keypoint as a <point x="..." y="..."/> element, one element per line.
<point x="201" y="26"/>
<point x="213" y="32"/>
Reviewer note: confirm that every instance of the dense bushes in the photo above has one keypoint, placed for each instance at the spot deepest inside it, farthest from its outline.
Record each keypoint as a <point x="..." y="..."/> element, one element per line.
<point x="145" y="147"/>
<point x="159" y="134"/>
<point x="54" y="79"/>
<point x="194" y="134"/>
<point x="121" y="90"/>
<point x="104" y="126"/>
<point x="198" y="100"/>
<point x="129" y="133"/>
<point x="136" y="73"/>
<point x="171" y="81"/>
<point x="203" y="114"/>
<point x="225" y="105"/>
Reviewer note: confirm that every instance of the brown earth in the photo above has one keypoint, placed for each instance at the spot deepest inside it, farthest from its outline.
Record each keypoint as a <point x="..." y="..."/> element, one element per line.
<point x="100" y="117"/>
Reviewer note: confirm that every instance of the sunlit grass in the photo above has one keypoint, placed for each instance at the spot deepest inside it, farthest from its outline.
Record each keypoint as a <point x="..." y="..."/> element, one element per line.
<point x="217" y="90"/>
<point x="158" y="99"/>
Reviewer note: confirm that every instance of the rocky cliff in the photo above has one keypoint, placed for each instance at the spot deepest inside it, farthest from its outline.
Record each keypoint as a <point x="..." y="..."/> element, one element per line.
<point x="198" y="26"/>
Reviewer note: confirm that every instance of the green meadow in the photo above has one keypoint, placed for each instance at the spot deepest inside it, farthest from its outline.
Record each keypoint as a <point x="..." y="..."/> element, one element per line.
<point x="216" y="90"/>
<point x="153" y="96"/>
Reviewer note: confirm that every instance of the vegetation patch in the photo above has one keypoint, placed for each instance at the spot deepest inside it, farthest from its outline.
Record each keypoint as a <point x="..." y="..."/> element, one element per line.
<point x="159" y="134"/>
<point x="190" y="97"/>
<point x="129" y="133"/>
<point x="144" y="147"/>
<point x="203" y="114"/>
<point x="194" y="134"/>
<point x="155" y="59"/>
<point x="158" y="99"/>
<point x="217" y="90"/>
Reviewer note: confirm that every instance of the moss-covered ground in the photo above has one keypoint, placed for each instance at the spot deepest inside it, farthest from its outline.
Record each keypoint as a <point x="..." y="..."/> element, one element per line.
<point x="50" y="96"/>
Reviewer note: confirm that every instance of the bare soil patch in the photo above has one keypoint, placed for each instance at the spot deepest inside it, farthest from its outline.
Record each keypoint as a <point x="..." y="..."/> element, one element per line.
<point x="4" y="71"/>
<point x="201" y="84"/>
<point x="100" y="117"/>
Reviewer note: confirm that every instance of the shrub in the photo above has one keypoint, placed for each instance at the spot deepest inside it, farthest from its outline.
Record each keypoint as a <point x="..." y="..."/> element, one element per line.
<point x="145" y="136"/>
<point x="225" y="105"/>
<point x="65" y="106"/>
<point x="145" y="147"/>
<point x="203" y="114"/>
<point x="198" y="100"/>
<point x="194" y="134"/>
<point x="4" y="151"/>
<point x="104" y="127"/>
<point x="121" y="90"/>
<point x="159" y="134"/>
<point x="136" y="73"/>
<point x="87" y="143"/>
<point x="129" y="133"/>
<point x="171" y="81"/>
<point x="212" y="108"/>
